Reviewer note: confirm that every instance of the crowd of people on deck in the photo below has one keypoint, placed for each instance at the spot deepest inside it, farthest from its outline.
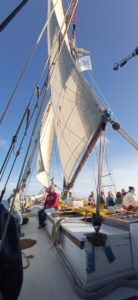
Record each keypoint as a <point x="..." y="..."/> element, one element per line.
<point x="125" y="199"/>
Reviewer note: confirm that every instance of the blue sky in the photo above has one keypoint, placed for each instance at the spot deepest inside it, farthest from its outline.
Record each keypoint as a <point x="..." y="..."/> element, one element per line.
<point x="109" y="29"/>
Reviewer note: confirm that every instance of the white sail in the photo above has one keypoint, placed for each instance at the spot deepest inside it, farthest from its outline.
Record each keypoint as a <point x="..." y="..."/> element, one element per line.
<point x="77" y="113"/>
<point x="46" y="143"/>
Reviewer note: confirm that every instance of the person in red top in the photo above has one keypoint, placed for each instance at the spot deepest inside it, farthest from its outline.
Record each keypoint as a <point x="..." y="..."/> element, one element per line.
<point x="51" y="199"/>
<point x="50" y="204"/>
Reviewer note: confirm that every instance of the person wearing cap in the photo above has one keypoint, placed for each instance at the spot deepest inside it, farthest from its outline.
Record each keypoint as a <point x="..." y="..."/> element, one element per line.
<point x="129" y="200"/>
<point x="50" y="204"/>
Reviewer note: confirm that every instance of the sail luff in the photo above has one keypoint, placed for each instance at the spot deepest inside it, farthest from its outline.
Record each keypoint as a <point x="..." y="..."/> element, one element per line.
<point x="46" y="145"/>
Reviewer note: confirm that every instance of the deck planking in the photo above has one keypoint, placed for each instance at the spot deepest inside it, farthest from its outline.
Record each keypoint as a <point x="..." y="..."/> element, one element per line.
<point x="45" y="278"/>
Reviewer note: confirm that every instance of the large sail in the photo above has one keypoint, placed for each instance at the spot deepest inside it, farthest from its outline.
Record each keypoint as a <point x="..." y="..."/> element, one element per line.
<point x="46" y="143"/>
<point x="77" y="113"/>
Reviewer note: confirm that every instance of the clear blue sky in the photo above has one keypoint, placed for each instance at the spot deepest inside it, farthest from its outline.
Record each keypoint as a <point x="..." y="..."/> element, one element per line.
<point x="109" y="29"/>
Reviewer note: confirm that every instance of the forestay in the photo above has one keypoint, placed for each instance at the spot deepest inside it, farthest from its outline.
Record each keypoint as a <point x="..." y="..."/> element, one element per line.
<point x="77" y="113"/>
<point x="46" y="144"/>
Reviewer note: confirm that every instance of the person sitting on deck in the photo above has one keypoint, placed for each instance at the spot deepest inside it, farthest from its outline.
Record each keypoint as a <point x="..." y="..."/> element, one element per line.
<point x="119" y="198"/>
<point x="16" y="209"/>
<point x="129" y="200"/>
<point x="110" y="199"/>
<point x="27" y="205"/>
<point x="91" y="200"/>
<point x="50" y="204"/>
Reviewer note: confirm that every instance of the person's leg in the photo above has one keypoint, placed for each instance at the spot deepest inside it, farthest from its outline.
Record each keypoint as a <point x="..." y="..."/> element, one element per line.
<point x="18" y="216"/>
<point x="41" y="217"/>
<point x="19" y="219"/>
<point x="51" y="209"/>
<point x="25" y="220"/>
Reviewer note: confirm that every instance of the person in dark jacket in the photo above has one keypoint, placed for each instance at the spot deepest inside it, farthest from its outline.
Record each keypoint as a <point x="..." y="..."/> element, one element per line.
<point x="110" y="199"/>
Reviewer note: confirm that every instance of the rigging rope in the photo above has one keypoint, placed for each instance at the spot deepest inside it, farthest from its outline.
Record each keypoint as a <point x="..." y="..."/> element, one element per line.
<point x="27" y="169"/>
<point x="74" y="26"/>
<point x="116" y="67"/>
<point x="12" y="15"/>
<point x="46" y="86"/>
<point x="29" y="176"/>
<point x="59" y="50"/>
<point x="31" y="157"/>
<point x="18" y="182"/>
<point x="36" y="88"/>
<point x="109" y="170"/>
<point x="27" y="64"/>
<point x="111" y="173"/>
<point x="14" y="139"/>
<point x="18" y="152"/>
<point x="37" y="91"/>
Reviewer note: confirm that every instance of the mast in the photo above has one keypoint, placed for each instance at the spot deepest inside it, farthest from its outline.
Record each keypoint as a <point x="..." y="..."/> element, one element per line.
<point x="97" y="219"/>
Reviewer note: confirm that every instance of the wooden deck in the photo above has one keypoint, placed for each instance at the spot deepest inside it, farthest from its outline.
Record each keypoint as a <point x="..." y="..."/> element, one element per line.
<point x="45" y="278"/>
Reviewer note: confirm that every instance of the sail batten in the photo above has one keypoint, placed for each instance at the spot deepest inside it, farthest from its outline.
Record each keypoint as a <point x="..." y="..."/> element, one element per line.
<point x="77" y="112"/>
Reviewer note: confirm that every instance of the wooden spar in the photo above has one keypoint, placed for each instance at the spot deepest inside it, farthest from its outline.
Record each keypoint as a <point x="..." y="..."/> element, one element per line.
<point x="85" y="156"/>
<point x="12" y="15"/>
